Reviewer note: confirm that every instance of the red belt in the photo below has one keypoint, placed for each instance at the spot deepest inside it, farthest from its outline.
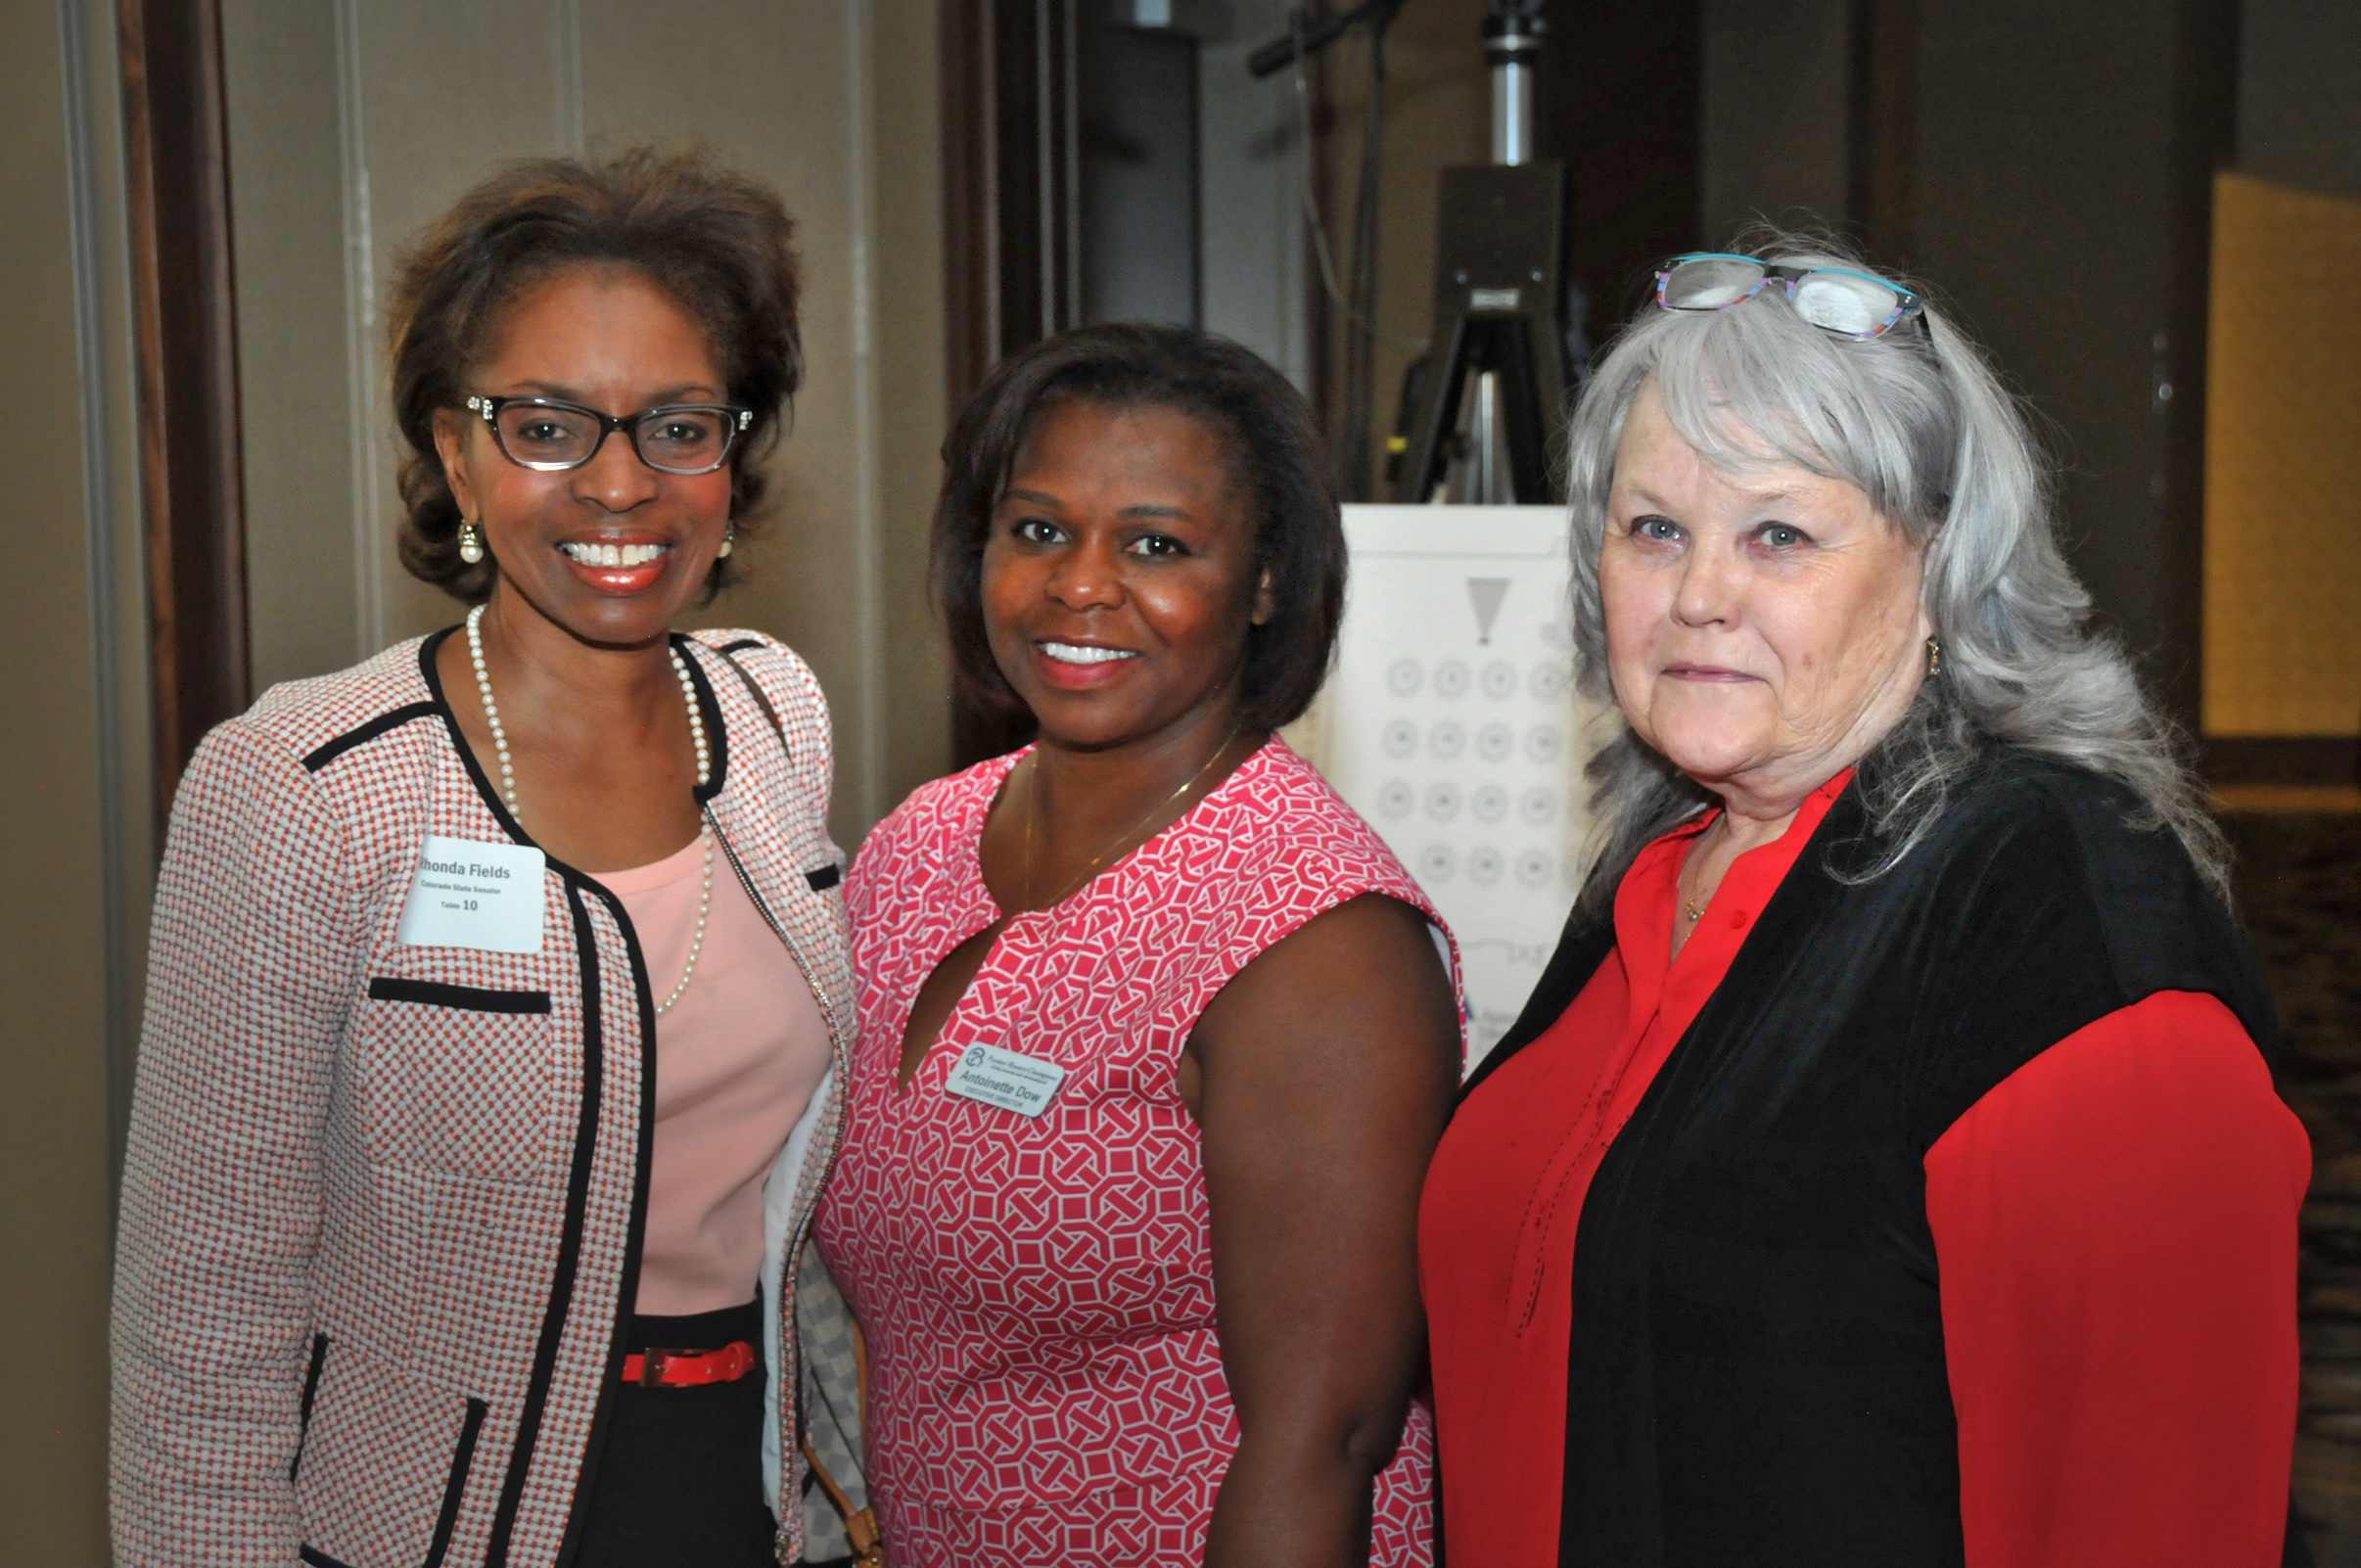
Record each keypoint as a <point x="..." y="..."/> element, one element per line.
<point x="664" y="1368"/>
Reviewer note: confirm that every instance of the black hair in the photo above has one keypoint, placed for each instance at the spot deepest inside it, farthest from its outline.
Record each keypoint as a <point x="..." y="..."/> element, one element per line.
<point x="1279" y="463"/>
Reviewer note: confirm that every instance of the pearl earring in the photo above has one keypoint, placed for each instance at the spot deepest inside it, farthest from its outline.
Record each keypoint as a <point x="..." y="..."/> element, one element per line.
<point x="471" y="543"/>
<point x="729" y="543"/>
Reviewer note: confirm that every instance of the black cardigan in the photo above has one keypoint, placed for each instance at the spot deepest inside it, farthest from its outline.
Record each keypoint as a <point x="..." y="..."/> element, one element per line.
<point x="1760" y="1375"/>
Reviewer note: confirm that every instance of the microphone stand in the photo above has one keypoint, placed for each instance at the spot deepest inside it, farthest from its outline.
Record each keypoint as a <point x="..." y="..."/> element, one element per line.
<point x="1313" y="35"/>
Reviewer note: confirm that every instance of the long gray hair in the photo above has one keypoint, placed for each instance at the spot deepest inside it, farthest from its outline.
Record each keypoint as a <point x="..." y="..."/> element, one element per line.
<point x="1920" y="425"/>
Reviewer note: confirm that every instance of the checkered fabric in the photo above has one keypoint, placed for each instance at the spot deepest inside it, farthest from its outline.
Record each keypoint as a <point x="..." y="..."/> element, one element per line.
<point x="380" y="1204"/>
<point x="1045" y="1373"/>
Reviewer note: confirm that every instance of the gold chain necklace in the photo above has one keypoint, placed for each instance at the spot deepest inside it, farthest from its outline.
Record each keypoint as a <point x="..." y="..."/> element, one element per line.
<point x="1032" y="812"/>
<point x="1693" y="909"/>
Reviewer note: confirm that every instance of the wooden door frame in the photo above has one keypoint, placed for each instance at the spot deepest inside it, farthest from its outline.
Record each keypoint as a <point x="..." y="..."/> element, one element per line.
<point x="1011" y="255"/>
<point x="185" y="327"/>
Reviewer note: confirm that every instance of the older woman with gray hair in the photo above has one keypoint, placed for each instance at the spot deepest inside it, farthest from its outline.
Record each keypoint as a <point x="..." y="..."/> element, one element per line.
<point x="1886" y="1168"/>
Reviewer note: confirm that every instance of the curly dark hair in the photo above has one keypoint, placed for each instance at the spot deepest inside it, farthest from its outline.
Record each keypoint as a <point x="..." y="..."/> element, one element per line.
<point x="718" y="242"/>
<point x="1277" y="460"/>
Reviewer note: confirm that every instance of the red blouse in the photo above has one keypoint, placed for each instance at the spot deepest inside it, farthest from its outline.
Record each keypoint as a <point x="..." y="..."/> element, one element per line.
<point x="2114" y="1223"/>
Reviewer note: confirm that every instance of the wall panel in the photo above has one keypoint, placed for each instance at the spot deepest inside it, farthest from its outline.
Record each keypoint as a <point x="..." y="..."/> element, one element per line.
<point x="770" y="88"/>
<point x="54" y="625"/>
<point x="2048" y="211"/>
<point x="1775" y="141"/>
<point x="302" y="599"/>
<point x="2283" y="525"/>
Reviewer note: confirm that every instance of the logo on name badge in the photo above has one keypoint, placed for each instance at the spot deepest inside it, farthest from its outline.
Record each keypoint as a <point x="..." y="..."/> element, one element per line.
<point x="488" y="897"/>
<point x="992" y="1076"/>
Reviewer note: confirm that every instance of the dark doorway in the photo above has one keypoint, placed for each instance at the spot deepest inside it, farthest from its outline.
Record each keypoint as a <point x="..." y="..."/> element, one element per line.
<point x="1139" y="187"/>
<point x="1072" y="179"/>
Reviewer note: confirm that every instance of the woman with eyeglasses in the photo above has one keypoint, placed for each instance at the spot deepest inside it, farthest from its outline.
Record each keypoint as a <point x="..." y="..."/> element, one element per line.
<point x="499" y="992"/>
<point x="1887" y="1168"/>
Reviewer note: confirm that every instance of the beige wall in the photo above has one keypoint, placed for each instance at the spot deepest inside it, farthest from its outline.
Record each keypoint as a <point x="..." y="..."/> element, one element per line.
<point x="353" y="122"/>
<point x="76" y="819"/>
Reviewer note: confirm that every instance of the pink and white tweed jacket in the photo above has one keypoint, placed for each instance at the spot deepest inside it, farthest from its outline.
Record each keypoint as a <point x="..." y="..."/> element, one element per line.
<point x="382" y="1204"/>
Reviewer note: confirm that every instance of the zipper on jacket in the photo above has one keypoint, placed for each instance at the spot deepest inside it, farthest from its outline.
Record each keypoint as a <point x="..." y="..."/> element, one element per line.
<point x="843" y="1057"/>
<point x="589" y="1127"/>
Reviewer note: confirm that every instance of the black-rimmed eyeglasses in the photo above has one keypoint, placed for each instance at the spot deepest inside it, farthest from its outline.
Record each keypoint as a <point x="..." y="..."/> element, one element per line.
<point x="551" y="435"/>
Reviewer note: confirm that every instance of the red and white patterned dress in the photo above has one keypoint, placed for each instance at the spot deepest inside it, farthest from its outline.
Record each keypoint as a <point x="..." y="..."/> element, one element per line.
<point x="1046" y="1382"/>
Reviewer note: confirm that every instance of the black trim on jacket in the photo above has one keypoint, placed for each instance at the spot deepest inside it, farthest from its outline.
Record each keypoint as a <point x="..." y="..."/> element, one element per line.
<point x="466" y="998"/>
<point x="492" y="801"/>
<point x="454" y="1490"/>
<point x="587" y="1123"/>
<point x="569" y="1239"/>
<point x="626" y="1286"/>
<point x="393" y="719"/>
<point x="311" y="1389"/>
<point x="716" y="731"/>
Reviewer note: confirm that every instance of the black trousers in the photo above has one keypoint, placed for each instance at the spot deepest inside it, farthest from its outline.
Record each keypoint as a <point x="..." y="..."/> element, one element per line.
<point x="680" y="1478"/>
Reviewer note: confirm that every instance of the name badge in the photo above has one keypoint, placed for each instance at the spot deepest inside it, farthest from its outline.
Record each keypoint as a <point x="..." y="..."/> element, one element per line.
<point x="482" y="896"/>
<point x="1013" y="1083"/>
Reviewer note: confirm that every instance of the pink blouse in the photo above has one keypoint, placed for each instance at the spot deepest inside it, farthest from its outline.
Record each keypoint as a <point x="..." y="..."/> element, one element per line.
<point x="737" y="1059"/>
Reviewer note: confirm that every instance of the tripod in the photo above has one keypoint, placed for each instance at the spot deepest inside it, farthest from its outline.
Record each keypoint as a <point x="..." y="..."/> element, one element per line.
<point x="1499" y="277"/>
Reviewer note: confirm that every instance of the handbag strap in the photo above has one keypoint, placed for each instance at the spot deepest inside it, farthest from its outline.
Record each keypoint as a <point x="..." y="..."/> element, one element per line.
<point x="860" y="1524"/>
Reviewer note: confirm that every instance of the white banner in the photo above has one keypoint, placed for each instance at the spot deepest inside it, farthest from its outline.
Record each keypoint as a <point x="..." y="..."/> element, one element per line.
<point x="1452" y="725"/>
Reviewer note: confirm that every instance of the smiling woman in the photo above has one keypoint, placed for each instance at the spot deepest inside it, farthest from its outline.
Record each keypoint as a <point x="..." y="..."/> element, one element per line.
<point x="474" y="1152"/>
<point x="1162" y="1309"/>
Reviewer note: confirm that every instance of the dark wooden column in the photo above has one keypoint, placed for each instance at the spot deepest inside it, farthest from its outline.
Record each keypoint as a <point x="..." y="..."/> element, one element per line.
<point x="971" y="248"/>
<point x="1010" y="164"/>
<point x="176" y="149"/>
<point x="1011" y="264"/>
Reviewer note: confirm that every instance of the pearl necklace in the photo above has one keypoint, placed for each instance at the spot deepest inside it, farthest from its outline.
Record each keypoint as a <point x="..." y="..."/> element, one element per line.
<point x="508" y="779"/>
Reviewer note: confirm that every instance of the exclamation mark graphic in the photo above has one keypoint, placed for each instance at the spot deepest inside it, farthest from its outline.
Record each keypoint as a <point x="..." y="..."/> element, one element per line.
<point x="1486" y="593"/>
